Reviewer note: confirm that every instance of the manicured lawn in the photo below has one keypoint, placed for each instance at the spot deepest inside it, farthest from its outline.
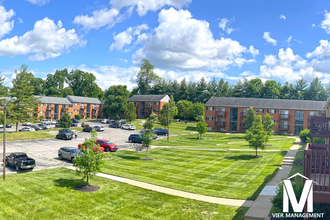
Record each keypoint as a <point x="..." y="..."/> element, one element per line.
<point x="211" y="141"/>
<point x="71" y="128"/>
<point x="222" y="174"/>
<point x="49" y="194"/>
<point x="15" y="136"/>
<point x="298" y="167"/>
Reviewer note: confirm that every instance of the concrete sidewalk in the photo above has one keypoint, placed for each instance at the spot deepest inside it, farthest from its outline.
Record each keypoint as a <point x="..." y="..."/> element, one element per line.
<point x="262" y="205"/>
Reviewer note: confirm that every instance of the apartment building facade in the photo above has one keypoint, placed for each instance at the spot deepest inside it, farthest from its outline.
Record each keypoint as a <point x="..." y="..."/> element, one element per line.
<point x="85" y="106"/>
<point x="227" y="114"/>
<point x="146" y="104"/>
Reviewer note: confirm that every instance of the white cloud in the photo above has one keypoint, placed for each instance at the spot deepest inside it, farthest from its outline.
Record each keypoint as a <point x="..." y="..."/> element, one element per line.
<point x="46" y="40"/>
<point x="253" y="51"/>
<point x="20" y="20"/>
<point x="38" y="2"/>
<point x="143" y="6"/>
<point x="223" y="25"/>
<point x="269" y="39"/>
<point x="181" y="42"/>
<point x="325" y="24"/>
<point x="125" y="38"/>
<point x="282" y="17"/>
<point x="289" y="39"/>
<point x="322" y="51"/>
<point x="313" y="25"/>
<point x="6" y="25"/>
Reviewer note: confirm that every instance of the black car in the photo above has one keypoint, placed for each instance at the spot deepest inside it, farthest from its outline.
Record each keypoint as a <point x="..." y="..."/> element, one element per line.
<point x="57" y="125"/>
<point x="64" y="136"/>
<point x="20" y="161"/>
<point x="8" y="125"/>
<point x="135" y="138"/>
<point x="160" y="131"/>
<point x="122" y="122"/>
<point x="88" y="129"/>
<point x="65" y="130"/>
<point x="74" y="120"/>
<point x="115" y="125"/>
<point x="36" y="127"/>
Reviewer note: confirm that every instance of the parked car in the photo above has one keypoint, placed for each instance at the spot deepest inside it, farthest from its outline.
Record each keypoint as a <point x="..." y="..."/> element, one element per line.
<point x="95" y="149"/>
<point x="122" y="122"/>
<point x="1" y="126"/>
<point x="36" y="127"/>
<point x="74" y="125"/>
<point x="74" y="120"/>
<point x="27" y="129"/>
<point x="115" y="125"/>
<point x="99" y="128"/>
<point x="107" y="145"/>
<point x="137" y="138"/>
<point x="66" y="130"/>
<point x="68" y="153"/>
<point x="26" y="123"/>
<point x="43" y="126"/>
<point x="88" y="129"/>
<point x="128" y="127"/>
<point x="20" y="161"/>
<point x="64" y="136"/>
<point x="97" y="120"/>
<point x="53" y="122"/>
<point x="57" y="125"/>
<point x="104" y="121"/>
<point x="45" y="121"/>
<point x="160" y="131"/>
<point x="8" y="125"/>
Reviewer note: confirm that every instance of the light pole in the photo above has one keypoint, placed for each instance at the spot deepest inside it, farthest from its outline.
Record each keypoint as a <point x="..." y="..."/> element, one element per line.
<point x="4" y="136"/>
<point x="168" y="123"/>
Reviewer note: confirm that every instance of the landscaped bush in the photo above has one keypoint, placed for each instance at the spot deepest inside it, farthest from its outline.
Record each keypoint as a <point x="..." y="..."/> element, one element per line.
<point x="304" y="135"/>
<point x="318" y="140"/>
<point x="77" y="116"/>
<point x="84" y="125"/>
<point x="41" y="117"/>
<point x="283" y="133"/>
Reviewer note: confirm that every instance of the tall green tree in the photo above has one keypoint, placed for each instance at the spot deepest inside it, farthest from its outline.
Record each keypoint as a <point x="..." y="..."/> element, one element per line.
<point x="253" y="88"/>
<point x="198" y="111"/>
<point x="269" y="124"/>
<point x="25" y="106"/>
<point x="164" y="117"/>
<point x="256" y="135"/>
<point x="147" y="135"/>
<point x="38" y="85"/>
<point x="55" y="83"/>
<point x="115" y="101"/>
<point x="174" y="109"/>
<point x="271" y="90"/>
<point x="184" y="108"/>
<point x="130" y="112"/>
<point x="250" y="118"/>
<point x="3" y="89"/>
<point x="65" y="120"/>
<point x="301" y="86"/>
<point x="146" y="77"/>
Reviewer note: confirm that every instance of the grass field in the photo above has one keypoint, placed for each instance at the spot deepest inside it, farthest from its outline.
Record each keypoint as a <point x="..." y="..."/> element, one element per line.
<point x="222" y="174"/>
<point x="49" y="194"/>
<point x="15" y="136"/>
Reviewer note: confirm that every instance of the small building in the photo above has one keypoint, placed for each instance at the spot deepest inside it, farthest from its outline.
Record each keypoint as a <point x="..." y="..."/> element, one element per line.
<point x="53" y="107"/>
<point x="227" y="114"/>
<point x="146" y="104"/>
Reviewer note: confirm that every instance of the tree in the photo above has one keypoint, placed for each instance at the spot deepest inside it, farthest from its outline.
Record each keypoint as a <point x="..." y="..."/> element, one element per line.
<point x="184" y="108"/>
<point x="91" y="160"/>
<point x="67" y="91"/>
<point x="38" y="85"/>
<point x="55" y="83"/>
<point x="250" y="118"/>
<point x="201" y="128"/>
<point x="301" y="86"/>
<point x="163" y="115"/>
<point x="130" y="112"/>
<point x="65" y="120"/>
<point x="315" y="87"/>
<point x="256" y="135"/>
<point x="174" y="111"/>
<point x="77" y="116"/>
<point x="41" y="117"/>
<point x="24" y="107"/>
<point x="269" y="124"/>
<point x="3" y="89"/>
<point x="198" y="111"/>
<point x="145" y="77"/>
<point x="147" y="135"/>
<point x="271" y="90"/>
<point x="115" y="101"/>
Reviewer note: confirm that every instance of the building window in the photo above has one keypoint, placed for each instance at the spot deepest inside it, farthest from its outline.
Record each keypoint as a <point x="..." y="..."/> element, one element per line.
<point x="149" y="104"/>
<point x="209" y="118"/>
<point x="245" y="110"/>
<point x="41" y="104"/>
<point x="259" y="110"/>
<point x="41" y="112"/>
<point x="313" y="113"/>
<point x="70" y="106"/>
<point x="221" y="109"/>
<point x="63" y="106"/>
<point x="220" y="129"/>
<point x="75" y="110"/>
<point x="70" y="113"/>
<point x="209" y="108"/>
<point x="285" y="112"/>
<point x="209" y="128"/>
<point x="271" y="111"/>
<point x="156" y="103"/>
<point x="156" y="110"/>
<point x="221" y="119"/>
<point x="75" y="103"/>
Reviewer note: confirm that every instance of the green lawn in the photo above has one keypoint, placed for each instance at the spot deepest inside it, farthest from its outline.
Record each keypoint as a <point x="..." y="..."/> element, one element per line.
<point x="298" y="168"/>
<point x="15" y="136"/>
<point x="222" y="174"/>
<point x="49" y="194"/>
<point x="71" y="128"/>
<point x="211" y="141"/>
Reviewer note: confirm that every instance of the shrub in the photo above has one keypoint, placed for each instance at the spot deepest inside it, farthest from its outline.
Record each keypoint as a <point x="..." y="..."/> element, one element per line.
<point x="41" y="117"/>
<point x="77" y="116"/>
<point x="283" y="133"/>
<point x="303" y="135"/>
<point x="65" y="121"/>
<point x="318" y="140"/>
<point x="84" y="125"/>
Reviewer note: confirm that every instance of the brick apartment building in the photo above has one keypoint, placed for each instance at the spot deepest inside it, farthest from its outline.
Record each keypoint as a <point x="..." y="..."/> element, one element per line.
<point x="145" y="104"/>
<point x="54" y="107"/>
<point x="226" y="114"/>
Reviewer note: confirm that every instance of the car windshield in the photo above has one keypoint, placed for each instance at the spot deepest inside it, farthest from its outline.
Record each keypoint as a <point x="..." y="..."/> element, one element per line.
<point x="75" y="151"/>
<point x="67" y="134"/>
<point x="108" y="142"/>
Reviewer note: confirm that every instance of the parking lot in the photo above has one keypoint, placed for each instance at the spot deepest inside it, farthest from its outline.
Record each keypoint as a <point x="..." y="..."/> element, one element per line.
<point x="44" y="151"/>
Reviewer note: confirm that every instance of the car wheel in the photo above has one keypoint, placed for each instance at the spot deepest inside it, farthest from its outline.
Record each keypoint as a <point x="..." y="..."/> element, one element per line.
<point x="107" y="149"/>
<point x="72" y="159"/>
<point x="17" y="168"/>
<point x="60" y="156"/>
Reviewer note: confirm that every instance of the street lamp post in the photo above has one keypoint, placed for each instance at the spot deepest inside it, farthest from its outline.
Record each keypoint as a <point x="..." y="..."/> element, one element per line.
<point x="4" y="136"/>
<point x="168" y="123"/>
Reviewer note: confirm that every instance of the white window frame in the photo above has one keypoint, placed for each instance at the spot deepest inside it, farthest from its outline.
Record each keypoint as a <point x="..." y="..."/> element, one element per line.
<point x="207" y="118"/>
<point x="209" y="108"/>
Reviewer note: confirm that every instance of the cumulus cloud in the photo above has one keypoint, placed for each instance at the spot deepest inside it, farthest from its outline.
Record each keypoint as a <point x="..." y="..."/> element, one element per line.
<point x="322" y="51"/>
<point x="181" y="42"/>
<point x="126" y="37"/>
<point x="46" y="40"/>
<point x="38" y="2"/>
<point x="269" y="39"/>
<point x="282" y="17"/>
<point x="325" y="24"/>
<point x="6" y="23"/>
<point x="224" y="25"/>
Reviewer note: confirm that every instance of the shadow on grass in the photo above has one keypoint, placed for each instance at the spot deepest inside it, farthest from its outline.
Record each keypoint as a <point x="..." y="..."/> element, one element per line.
<point x="68" y="183"/>
<point x="129" y="157"/>
<point x="243" y="157"/>
<point x="191" y="128"/>
<point x="236" y="137"/>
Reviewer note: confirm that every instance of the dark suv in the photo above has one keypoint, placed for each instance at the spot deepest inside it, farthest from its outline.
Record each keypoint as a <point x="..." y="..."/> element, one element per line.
<point x="115" y="125"/>
<point x="65" y="130"/>
<point x="135" y="138"/>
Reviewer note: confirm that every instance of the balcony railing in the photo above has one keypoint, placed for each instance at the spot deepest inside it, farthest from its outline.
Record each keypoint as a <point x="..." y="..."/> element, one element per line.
<point x="63" y="109"/>
<point x="94" y="107"/>
<point x="220" y="124"/>
<point x="243" y="126"/>
<point x="148" y="106"/>
<point x="49" y="108"/>
<point x="283" y="128"/>
<point x="243" y="114"/>
<point x="220" y="114"/>
<point x="82" y="107"/>
<point x="284" y="117"/>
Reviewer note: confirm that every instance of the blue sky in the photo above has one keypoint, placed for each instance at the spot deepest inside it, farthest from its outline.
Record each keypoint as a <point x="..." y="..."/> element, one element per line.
<point x="281" y="40"/>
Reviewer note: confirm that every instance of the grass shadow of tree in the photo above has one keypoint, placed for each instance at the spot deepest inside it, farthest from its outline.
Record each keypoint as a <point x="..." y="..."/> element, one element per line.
<point x="191" y="128"/>
<point x="128" y="157"/>
<point x="68" y="183"/>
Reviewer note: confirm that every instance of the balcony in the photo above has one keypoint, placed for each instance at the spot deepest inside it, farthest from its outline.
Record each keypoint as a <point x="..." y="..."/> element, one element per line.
<point x="49" y="108"/>
<point x="63" y="109"/>
<point x="284" y="117"/>
<point x="283" y="127"/>
<point x="94" y="107"/>
<point x="82" y="107"/>
<point x="220" y="114"/>
<point x="148" y="106"/>
<point x="243" y="126"/>
<point x="220" y="124"/>
<point x="49" y="116"/>
<point x="320" y="127"/>
<point x="243" y="114"/>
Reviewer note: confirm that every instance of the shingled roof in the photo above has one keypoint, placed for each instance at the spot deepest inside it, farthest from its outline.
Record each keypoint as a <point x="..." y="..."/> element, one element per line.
<point x="267" y="103"/>
<point x="81" y="99"/>
<point x="148" y="98"/>
<point x="54" y="100"/>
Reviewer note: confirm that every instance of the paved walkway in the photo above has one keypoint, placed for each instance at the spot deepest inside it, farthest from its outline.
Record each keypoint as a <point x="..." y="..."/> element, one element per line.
<point x="262" y="205"/>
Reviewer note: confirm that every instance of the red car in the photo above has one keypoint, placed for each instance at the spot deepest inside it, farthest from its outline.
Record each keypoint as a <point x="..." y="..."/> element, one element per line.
<point x="100" y="148"/>
<point x="107" y="145"/>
